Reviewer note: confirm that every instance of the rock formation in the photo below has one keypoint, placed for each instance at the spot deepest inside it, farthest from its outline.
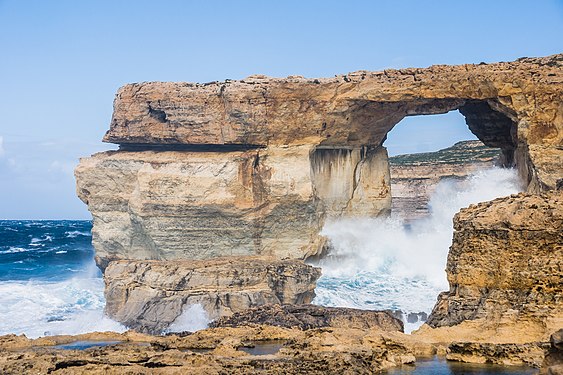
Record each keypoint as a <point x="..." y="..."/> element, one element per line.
<point x="312" y="316"/>
<point x="254" y="167"/>
<point x="150" y="295"/>
<point x="212" y="351"/>
<point x="505" y="267"/>
<point x="414" y="177"/>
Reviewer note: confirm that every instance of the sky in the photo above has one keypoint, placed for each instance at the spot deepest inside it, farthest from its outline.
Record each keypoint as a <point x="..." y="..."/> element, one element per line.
<point x="62" y="62"/>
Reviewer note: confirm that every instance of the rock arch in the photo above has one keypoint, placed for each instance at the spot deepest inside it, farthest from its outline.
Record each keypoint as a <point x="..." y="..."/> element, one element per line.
<point x="255" y="166"/>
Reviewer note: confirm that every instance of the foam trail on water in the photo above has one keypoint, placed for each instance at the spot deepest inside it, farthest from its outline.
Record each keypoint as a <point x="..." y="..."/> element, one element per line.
<point x="384" y="264"/>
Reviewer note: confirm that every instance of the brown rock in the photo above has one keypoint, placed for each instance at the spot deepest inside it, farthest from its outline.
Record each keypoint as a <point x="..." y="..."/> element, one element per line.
<point x="505" y="265"/>
<point x="150" y="295"/>
<point x="311" y="316"/>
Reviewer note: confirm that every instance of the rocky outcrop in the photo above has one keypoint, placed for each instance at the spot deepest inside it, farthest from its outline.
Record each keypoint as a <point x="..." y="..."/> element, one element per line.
<point x="311" y="317"/>
<point x="505" y="267"/>
<point x="199" y="205"/>
<point x="414" y="177"/>
<point x="254" y="167"/>
<point x="151" y="295"/>
<point x="211" y="351"/>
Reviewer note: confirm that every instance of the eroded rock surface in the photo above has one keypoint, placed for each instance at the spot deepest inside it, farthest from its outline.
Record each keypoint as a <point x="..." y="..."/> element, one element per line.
<point x="505" y="267"/>
<point x="256" y="166"/>
<point x="150" y="295"/>
<point x="199" y="205"/>
<point x="211" y="351"/>
<point x="312" y="316"/>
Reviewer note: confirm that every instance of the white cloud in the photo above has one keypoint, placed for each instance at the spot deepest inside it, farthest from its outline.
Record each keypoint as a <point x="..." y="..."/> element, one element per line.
<point x="2" y="151"/>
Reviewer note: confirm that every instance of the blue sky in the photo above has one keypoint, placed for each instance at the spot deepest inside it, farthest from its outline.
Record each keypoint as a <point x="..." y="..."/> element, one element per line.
<point x="62" y="61"/>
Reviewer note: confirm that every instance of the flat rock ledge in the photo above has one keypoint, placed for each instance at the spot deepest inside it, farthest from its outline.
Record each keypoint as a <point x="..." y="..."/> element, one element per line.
<point x="149" y="296"/>
<point x="258" y="349"/>
<point x="311" y="316"/>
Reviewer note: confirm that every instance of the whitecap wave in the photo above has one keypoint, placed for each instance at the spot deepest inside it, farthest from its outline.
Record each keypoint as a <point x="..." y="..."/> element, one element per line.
<point x="39" y="308"/>
<point x="76" y="233"/>
<point x="383" y="263"/>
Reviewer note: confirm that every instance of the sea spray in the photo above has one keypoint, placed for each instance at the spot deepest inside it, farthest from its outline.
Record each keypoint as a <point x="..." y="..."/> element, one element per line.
<point x="51" y="284"/>
<point x="384" y="263"/>
<point x="193" y="318"/>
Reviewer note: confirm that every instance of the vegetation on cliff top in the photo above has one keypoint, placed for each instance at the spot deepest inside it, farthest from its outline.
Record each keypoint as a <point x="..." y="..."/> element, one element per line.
<point x="463" y="152"/>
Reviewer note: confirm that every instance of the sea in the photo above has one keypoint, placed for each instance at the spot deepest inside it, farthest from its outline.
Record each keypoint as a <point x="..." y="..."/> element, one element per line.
<point x="50" y="285"/>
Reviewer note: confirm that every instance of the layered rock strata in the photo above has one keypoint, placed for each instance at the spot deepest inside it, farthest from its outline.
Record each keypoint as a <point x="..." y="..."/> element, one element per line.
<point x="505" y="267"/>
<point x="199" y="205"/>
<point x="256" y="166"/>
<point x="414" y="177"/>
<point x="150" y="295"/>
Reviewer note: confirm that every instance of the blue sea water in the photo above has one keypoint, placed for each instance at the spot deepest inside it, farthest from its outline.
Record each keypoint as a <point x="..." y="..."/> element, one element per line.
<point x="49" y="283"/>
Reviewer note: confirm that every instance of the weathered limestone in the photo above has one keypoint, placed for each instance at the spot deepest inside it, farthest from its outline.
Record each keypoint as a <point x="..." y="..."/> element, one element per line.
<point x="200" y="205"/>
<point x="510" y="105"/>
<point x="150" y="295"/>
<point x="212" y="351"/>
<point x="312" y="317"/>
<point x="505" y="267"/>
<point x="254" y="167"/>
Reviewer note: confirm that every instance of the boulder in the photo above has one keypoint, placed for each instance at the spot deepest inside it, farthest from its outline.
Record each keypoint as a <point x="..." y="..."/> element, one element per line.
<point x="150" y="295"/>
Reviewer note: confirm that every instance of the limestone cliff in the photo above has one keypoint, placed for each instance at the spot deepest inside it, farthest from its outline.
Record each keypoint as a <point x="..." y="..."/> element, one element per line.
<point x="505" y="268"/>
<point x="149" y="295"/>
<point x="414" y="177"/>
<point x="168" y="205"/>
<point x="254" y="167"/>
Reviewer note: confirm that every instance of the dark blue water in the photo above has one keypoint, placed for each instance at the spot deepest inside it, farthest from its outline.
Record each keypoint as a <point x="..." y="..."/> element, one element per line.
<point x="44" y="250"/>
<point x="49" y="283"/>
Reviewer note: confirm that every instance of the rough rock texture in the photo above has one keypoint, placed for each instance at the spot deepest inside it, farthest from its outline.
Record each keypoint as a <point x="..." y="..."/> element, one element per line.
<point x="505" y="265"/>
<point x="198" y="205"/>
<point x="530" y="354"/>
<point x="414" y="177"/>
<point x="312" y="316"/>
<point x="553" y="363"/>
<point x="150" y="295"/>
<point x="256" y="166"/>
<point x="212" y="351"/>
<point x="510" y="105"/>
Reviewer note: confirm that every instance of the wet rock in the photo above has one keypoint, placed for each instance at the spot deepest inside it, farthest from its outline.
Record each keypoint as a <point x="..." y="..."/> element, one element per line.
<point x="312" y="316"/>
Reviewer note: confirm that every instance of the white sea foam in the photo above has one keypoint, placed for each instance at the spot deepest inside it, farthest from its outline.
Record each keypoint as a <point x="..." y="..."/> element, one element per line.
<point x="39" y="308"/>
<point x="384" y="264"/>
<point x="193" y="318"/>
<point x="76" y="233"/>
<point x="14" y="249"/>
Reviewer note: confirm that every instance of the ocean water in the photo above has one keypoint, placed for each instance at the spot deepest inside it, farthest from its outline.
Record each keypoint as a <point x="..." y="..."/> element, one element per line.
<point x="49" y="283"/>
<point x="388" y="264"/>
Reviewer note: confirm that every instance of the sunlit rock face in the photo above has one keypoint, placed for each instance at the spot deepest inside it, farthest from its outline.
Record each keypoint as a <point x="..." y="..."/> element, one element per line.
<point x="150" y="295"/>
<point x="255" y="167"/>
<point x="505" y="266"/>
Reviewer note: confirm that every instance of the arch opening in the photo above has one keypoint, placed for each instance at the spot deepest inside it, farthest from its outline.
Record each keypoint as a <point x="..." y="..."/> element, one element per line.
<point x="398" y="262"/>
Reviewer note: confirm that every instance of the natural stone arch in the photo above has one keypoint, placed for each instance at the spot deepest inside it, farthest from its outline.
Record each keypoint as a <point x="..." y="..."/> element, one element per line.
<point x="240" y="167"/>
